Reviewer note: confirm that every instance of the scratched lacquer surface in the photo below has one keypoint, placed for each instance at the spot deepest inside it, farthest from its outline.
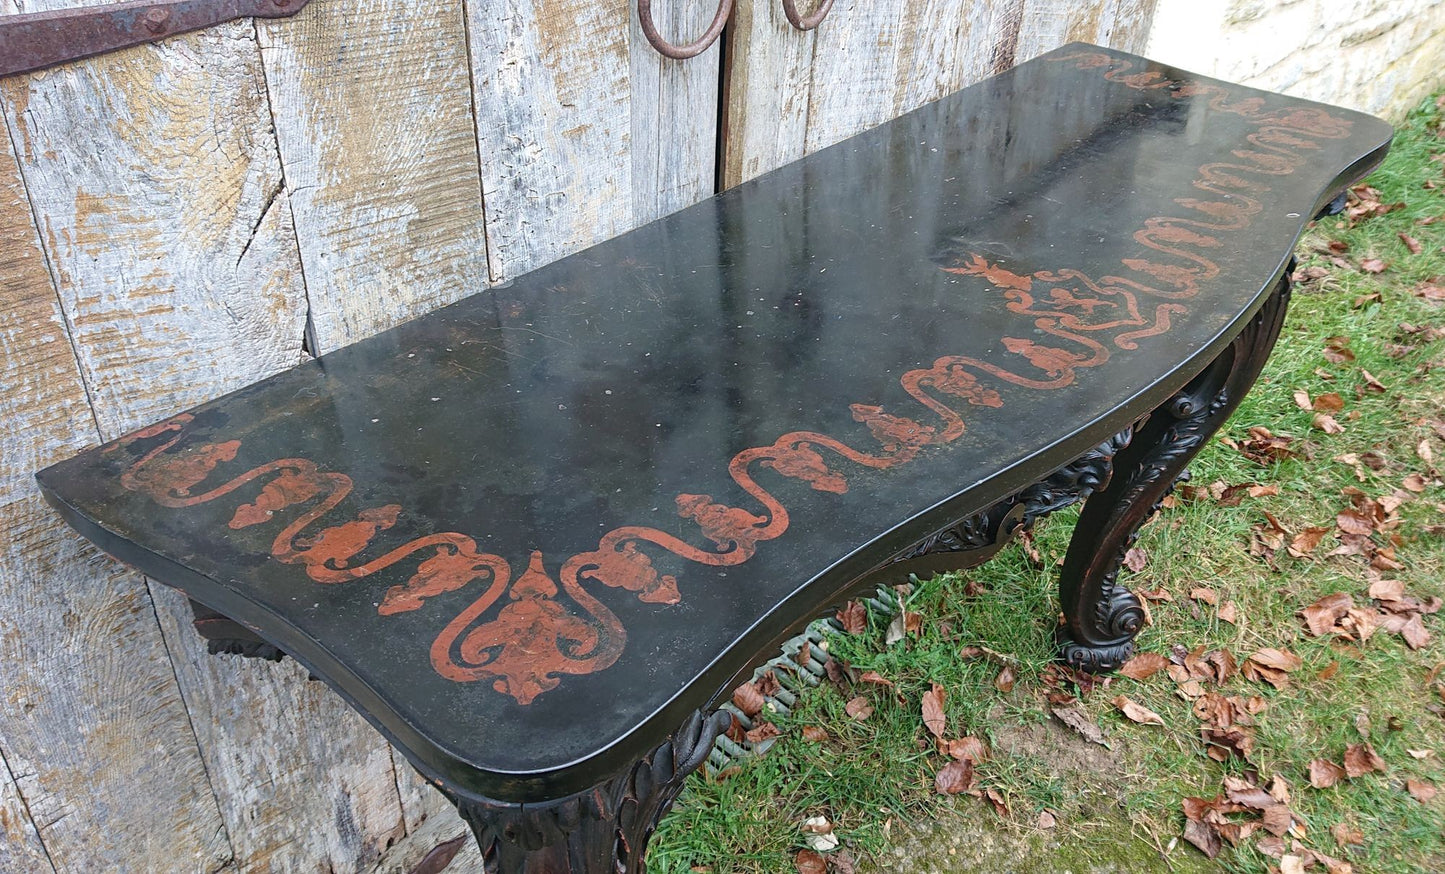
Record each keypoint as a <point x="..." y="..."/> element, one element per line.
<point x="522" y="529"/>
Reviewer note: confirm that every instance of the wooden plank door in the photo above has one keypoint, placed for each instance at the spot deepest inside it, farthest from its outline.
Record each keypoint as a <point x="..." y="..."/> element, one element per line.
<point x="791" y="93"/>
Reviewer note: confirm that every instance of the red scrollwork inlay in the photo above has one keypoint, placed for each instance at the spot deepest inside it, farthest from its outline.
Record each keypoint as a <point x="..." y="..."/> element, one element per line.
<point x="526" y="634"/>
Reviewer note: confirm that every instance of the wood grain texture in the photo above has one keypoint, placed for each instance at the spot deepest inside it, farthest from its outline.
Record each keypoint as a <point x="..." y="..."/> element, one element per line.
<point x="674" y="106"/>
<point x="791" y="94"/>
<point x="165" y="221"/>
<point x="303" y="782"/>
<point x="573" y="149"/>
<point x="373" y="115"/>
<point x="170" y="235"/>
<point x="93" y="726"/>
<point x="20" y="847"/>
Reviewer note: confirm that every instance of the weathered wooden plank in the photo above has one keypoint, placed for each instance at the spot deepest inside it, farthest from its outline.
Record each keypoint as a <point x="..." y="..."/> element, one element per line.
<point x="674" y="106"/>
<point x="1120" y="24"/>
<point x="165" y="220"/>
<point x="870" y="62"/>
<point x="305" y="784"/>
<point x="769" y="78"/>
<point x="20" y="849"/>
<point x="573" y="151"/>
<point x="373" y="114"/>
<point x="170" y="233"/>
<point x="93" y="726"/>
<point x="553" y="128"/>
<point x="431" y="822"/>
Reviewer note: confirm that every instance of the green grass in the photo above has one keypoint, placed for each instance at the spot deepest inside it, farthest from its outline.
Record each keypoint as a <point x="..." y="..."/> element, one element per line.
<point x="1119" y="808"/>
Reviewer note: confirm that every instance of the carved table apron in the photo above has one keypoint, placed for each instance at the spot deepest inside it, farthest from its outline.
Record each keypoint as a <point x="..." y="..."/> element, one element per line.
<point x="537" y="536"/>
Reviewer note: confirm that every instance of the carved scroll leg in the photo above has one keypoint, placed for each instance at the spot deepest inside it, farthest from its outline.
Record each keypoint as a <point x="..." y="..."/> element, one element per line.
<point x="1102" y="617"/>
<point x="225" y="635"/>
<point x="601" y="831"/>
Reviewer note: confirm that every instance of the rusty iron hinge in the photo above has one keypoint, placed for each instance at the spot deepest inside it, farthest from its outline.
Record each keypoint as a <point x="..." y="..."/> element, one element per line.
<point x="36" y="40"/>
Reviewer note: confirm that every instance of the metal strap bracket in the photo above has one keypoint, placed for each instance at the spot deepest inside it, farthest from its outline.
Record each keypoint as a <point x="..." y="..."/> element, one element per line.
<point x="36" y="40"/>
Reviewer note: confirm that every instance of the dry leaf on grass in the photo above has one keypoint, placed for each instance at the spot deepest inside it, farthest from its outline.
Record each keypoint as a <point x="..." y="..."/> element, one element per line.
<point x="1135" y="559"/>
<point x="954" y="777"/>
<point x="1305" y="542"/>
<point x="761" y="731"/>
<point x="1208" y="596"/>
<point x="815" y="733"/>
<point x="1421" y="792"/>
<point x="933" y="718"/>
<point x="1361" y="759"/>
<point x="859" y="708"/>
<point x="853" y="617"/>
<point x="1324" y="774"/>
<point x="748" y="699"/>
<point x="810" y="862"/>
<point x="1410" y="242"/>
<point x="1203" y="836"/>
<point x="1005" y="680"/>
<point x="1074" y="717"/>
<point x="1321" y="616"/>
<point x="970" y="748"/>
<point x="1143" y="666"/>
<point x="875" y="678"/>
<point x="1228" y="612"/>
<point x="1137" y="712"/>
<point x="1346" y="835"/>
<point x="1272" y="666"/>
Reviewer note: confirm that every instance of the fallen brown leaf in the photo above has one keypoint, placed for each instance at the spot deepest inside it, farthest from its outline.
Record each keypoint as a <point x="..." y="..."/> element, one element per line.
<point x="1004" y="682"/>
<point x="933" y="717"/>
<point x="1337" y="350"/>
<point x="1208" y="596"/>
<point x="859" y="708"/>
<point x="1203" y="836"/>
<point x="1329" y="402"/>
<point x="1305" y="542"/>
<point x="1321" y="616"/>
<point x="810" y="862"/>
<point x="1361" y="759"/>
<point x="1135" y="559"/>
<point x="1324" y="774"/>
<point x="970" y="748"/>
<point x="1277" y="819"/>
<point x="1352" y="521"/>
<point x="853" y="617"/>
<point x="1326" y="423"/>
<point x="1347" y="835"/>
<point x="875" y="678"/>
<point x="1229" y="612"/>
<point x="748" y="699"/>
<point x="1410" y="242"/>
<point x="761" y="731"/>
<point x="954" y="777"/>
<point x="815" y="733"/>
<point x="1137" y="712"/>
<point x="1074" y="717"/>
<point x="1422" y="792"/>
<point x="1143" y="666"/>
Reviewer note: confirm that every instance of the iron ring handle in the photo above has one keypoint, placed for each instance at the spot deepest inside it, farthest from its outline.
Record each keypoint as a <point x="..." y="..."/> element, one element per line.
<point x="692" y="49"/>
<point x="790" y="9"/>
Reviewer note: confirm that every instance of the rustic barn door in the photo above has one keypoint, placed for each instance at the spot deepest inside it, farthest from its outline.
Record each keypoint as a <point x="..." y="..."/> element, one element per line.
<point x="179" y="220"/>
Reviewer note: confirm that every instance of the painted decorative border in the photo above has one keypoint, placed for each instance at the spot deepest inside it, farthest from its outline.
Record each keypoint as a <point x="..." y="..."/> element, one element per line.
<point x="534" y="638"/>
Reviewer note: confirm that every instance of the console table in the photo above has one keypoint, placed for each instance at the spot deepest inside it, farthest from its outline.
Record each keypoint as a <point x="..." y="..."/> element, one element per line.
<point x="536" y="537"/>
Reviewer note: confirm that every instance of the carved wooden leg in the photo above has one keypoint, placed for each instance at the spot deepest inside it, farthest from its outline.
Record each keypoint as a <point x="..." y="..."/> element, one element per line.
<point x="1102" y="617"/>
<point x="601" y="831"/>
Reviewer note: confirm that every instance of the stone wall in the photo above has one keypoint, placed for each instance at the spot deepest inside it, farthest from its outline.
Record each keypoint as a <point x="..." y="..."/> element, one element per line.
<point x="1379" y="56"/>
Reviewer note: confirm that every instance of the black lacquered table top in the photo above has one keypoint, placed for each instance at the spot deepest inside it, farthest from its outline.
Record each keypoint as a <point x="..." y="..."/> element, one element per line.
<point x="527" y="533"/>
